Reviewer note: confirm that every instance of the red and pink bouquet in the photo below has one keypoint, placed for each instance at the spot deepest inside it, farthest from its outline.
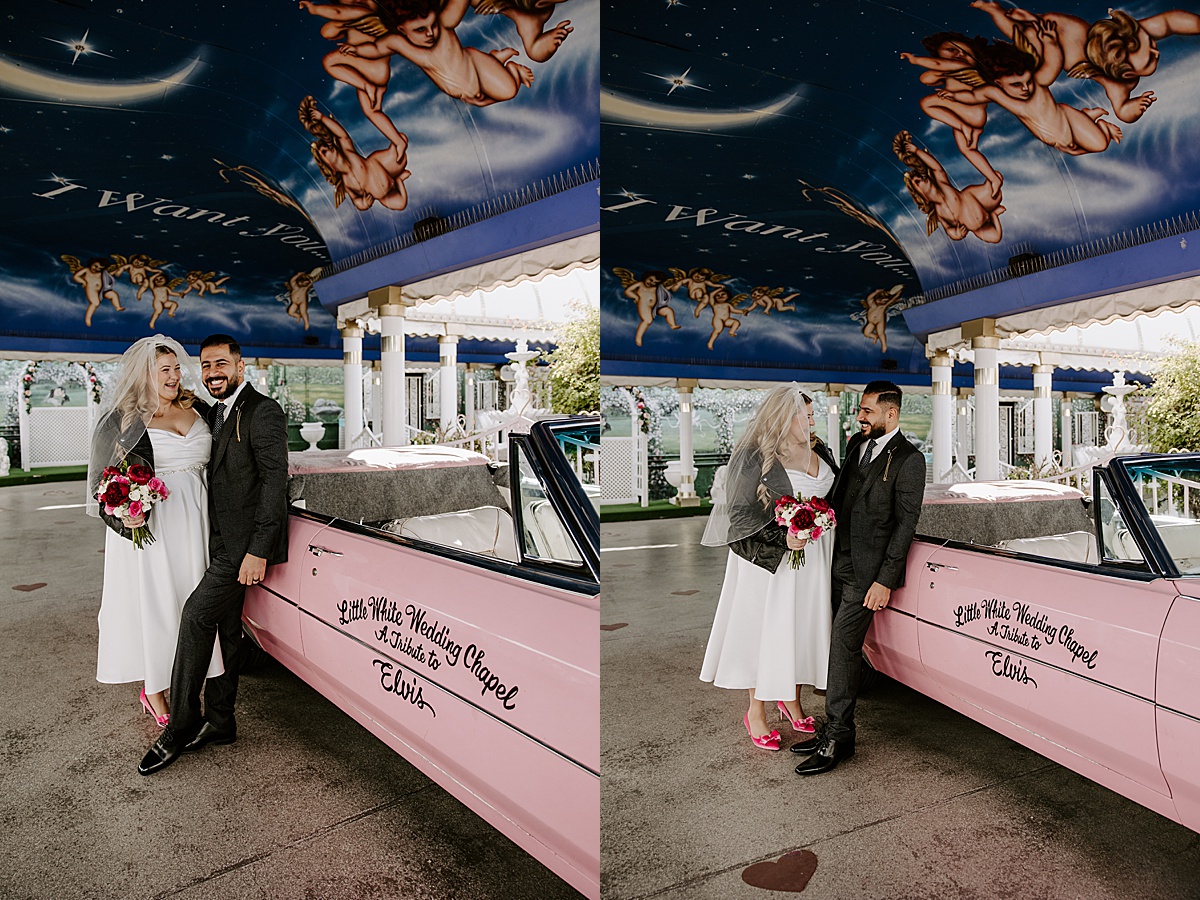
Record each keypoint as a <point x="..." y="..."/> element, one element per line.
<point x="804" y="519"/>
<point x="131" y="491"/>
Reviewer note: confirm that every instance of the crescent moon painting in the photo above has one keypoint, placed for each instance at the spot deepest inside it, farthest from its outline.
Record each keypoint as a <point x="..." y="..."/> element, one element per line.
<point x="28" y="81"/>
<point x="615" y="107"/>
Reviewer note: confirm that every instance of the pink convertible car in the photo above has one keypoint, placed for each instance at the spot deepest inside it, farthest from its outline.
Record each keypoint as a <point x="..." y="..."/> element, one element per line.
<point x="451" y="607"/>
<point x="1072" y="626"/>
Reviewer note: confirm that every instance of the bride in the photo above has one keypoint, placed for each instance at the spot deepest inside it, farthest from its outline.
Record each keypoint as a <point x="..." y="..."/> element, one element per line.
<point x="771" y="630"/>
<point x="148" y="417"/>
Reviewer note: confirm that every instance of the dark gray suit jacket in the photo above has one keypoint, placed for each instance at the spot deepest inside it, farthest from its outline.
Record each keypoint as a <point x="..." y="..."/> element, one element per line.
<point x="882" y="516"/>
<point x="247" y="478"/>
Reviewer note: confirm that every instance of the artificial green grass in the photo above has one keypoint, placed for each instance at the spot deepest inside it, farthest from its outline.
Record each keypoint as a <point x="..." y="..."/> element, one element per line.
<point x="45" y="474"/>
<point x="658" y="509"/>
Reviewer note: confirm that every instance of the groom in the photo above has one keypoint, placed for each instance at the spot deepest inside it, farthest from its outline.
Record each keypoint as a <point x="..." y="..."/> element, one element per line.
<point x="247" y="508"/>
<point x="877" y="497"/>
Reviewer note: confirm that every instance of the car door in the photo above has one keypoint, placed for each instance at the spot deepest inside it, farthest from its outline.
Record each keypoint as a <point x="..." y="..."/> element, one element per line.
<point x="1060" y="656"/>
<point x="480" y="671"/>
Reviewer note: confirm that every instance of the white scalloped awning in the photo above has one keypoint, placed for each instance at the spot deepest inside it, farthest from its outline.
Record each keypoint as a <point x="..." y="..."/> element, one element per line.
<point x="1126" y="331"/>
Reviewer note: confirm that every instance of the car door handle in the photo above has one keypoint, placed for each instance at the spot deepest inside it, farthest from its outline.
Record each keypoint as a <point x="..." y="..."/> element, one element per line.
<point x="317" y="551"/>
<point x="934" y="567"/>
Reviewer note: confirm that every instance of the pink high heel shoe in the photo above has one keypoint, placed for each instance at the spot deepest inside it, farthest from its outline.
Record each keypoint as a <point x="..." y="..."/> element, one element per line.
<point x="767" y="741"/>
<point x="161" y="720"/>
<point x="807" y="725"/>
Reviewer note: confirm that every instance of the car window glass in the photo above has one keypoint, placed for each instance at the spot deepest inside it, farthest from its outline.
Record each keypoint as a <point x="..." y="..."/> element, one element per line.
<point x="543" y="534"/>
<point x="1117" y="542"/>
<point x="1170" y="491"/>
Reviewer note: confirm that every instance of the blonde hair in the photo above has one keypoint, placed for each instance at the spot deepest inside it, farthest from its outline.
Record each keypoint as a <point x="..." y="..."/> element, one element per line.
<point x="1109" y="43"/>
<point x="770" y="428"/>
<point x="140" y="400"/>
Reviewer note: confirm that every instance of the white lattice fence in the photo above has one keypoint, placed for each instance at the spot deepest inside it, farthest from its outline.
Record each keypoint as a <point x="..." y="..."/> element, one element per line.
<point x="622" y="475"/>
<point x="58" y="436"/>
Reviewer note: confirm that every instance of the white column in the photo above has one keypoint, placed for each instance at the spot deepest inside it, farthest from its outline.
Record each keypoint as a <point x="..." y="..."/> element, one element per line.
<point x="687" y="484"/>
<point x="1066" y="425"/>
<point x="352" y="388"/>
<point x="389" y="303"/>
<point x="448" y="358"/>
<point x="1043" y="422"/>
<point x="942" y="367"/>
<point x="469" y="398"/>
<point x="833" y="421"/>
<point x="987" y="407"/>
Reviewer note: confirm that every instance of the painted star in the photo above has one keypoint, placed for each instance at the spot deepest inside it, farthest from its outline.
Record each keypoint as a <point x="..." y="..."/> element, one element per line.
<point x="58" y="179"/>
<point x="749" y="177"/>
<point x="80" y="47"/>
<point x="628" y="194"/>
<point x="671" y="3"/>
<point x="678" y="81"/>
<point x="4" y="129"/>
<point x="167" y="156"/>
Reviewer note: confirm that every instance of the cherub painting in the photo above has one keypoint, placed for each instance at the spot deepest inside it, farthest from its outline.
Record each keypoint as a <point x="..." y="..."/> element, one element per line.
<point x="98" y="283"/>
<point x="202" y="282"/>
<point x="1116" y="52"/>
<point x="699" y="282"/>
<point x="298" y="288"/>
<point x="376" y="178"/>
<point x="139" y="268"/>
<point x="973" y="210"/>
<point x="1018" y="81"/>
<point x="530" y="17"/>
<point x="876" y="305"/>
<point x="424" y="34"/>
<point x="954" y="64"/>
<point x="161" y="291"/>
<point x="769" y="299"/>
<point x="652" y="294"/>
<point x="723" y="312"/>
<point x="355" y="24"/>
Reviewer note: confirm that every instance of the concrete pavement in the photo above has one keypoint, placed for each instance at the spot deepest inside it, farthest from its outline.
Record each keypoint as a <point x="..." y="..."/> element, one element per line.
<point x="306" y="804"/>
<point x="933" y="805"/>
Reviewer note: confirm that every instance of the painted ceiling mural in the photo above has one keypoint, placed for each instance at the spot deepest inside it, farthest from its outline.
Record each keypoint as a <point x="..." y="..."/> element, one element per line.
<point x="781" y="186"/>
<point x="189" y="167"/>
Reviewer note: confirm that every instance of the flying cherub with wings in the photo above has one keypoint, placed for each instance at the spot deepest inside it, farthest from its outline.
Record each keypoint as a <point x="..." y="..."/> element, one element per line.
<point x="876" y="305"/>
<point x="723" y="312"/>
<point x="162" y="291"/>
<point x="769" y="299"/>
<point x="699" y="282"/>
<point x="298" y="287"/>
<point x="200" y="282"/>
<point x="139" y="267"/>
<point x="98" y="283"/>
<point x="652" y="294"/>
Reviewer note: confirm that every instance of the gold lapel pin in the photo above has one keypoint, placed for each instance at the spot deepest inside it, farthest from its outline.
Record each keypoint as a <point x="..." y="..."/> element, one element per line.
<point x="888" y="467"/>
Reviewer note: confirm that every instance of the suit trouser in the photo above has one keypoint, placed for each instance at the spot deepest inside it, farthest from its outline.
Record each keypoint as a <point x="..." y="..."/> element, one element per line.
<point x="213" y="610"/>
<point x="850" y="623"/>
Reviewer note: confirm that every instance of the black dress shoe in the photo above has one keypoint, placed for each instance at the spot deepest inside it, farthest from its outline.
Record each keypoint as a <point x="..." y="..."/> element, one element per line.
<point x="811" y="745"/>
<point x="210" y="735"/>
<point x="830" y="753"/>
<point x="162" y="753"/>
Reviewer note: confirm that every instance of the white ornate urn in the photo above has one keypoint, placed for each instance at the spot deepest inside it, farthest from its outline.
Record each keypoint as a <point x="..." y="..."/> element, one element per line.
<point x="312" y="432"/>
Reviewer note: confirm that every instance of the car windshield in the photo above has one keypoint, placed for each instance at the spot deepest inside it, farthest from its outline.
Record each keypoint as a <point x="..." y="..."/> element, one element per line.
<point x="1170" y="490"/>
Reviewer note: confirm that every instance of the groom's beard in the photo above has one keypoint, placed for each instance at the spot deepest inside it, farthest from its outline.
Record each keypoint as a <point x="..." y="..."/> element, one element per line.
<point x="230" y="386"/>
<point x="874" y="431"/>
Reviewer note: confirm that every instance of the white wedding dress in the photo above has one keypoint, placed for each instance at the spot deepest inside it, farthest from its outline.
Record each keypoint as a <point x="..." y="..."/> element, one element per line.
<point x="771" y="631"/>
<point x="144" y="590"/>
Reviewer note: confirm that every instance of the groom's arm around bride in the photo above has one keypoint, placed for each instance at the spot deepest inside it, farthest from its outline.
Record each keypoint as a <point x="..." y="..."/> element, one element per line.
<point x="247" y="475"/>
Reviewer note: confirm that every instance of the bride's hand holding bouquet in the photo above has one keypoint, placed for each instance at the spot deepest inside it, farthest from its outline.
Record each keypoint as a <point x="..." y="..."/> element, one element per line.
<point x="129" y="492"/>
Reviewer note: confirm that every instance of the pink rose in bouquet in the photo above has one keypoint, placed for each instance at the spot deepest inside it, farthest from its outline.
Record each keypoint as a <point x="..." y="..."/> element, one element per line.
<point x="804" y="519"/>
<point x="130" y="492"/>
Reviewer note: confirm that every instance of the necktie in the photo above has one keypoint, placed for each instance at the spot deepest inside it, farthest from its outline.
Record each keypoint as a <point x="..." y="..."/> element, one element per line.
<point x="219" y="420"/>
<point x="866" y="457"/>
